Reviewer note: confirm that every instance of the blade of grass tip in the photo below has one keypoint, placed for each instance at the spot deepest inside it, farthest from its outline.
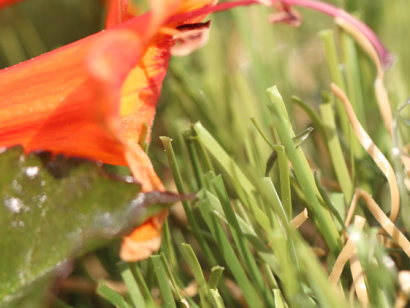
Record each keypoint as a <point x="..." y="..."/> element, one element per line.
<point x="132" y="286"/>
<point x="317" y="122"/>
<point x="279" y="301"/>
<point x="229" y="255"/>
<point x="170" y="275"/>
<point x="325" y="222"/>
<point x="149" y="301"/>
<point x="240" y="241"/>
<point x="336" y="153"/>
<point x="260" y="131"/>
<point x="216" y="274"/>
<point x="336" y="76"/>
<point x="188" y="211"/>
<point x="328" y="202"/>
<point x="111" y="296"/>
<point x="284" y="180"/>
<point x="198" y="274"/>
<point x="216" y="299"/>
<point x="143" y="135"/>
<point x="163" y="283"/>
<point x="193" y="158"/>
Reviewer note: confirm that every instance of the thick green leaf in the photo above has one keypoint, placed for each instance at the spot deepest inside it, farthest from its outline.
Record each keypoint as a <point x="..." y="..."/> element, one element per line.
<point x="54" y="209"/>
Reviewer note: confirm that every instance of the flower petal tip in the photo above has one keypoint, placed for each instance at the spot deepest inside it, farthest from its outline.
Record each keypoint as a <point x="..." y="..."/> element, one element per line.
<point x="144" y="240"/>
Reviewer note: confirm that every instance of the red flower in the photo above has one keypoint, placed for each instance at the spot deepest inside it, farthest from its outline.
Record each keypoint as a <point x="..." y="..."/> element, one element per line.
<point x="91" y="98"/>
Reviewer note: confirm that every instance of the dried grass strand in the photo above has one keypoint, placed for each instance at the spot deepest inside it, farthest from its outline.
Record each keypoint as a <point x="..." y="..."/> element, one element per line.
<point x="385" y="222"/>
<point x="374" y="152"/>
<point x="299" y="219"/>
<point x="346" y="252"/>
<point x="357" y="271"/>
<point x="381" y="93"/>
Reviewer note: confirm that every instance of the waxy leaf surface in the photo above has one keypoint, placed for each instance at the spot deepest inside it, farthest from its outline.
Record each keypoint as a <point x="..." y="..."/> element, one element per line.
<point x="52" y="209"/>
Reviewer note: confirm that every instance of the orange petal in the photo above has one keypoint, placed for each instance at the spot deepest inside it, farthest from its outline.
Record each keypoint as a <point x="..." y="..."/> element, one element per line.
<point x="144" y="240"/>
<point x="67" y="100"/>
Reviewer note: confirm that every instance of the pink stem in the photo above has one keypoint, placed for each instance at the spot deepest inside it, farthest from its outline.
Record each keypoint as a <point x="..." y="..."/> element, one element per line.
<point x="385" y="56"/>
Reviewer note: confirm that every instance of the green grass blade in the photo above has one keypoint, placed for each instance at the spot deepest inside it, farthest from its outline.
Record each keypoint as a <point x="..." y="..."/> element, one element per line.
<point x="229" y="255"/>
<point x="112" y="296"/>
<point x="199" y="276"/>
<point x="279" y="301"/>
<point x="328" y="202"/>
<point x="216" y="299"/>
<point x="233" y="170"/>
<point x="194" y="159"/>
<point x="240" y="241"/>
<point x="260" y="131"/>
<point x="284" y="180"/>
<point x="216" y="274"/>
<point x="132" y="286"/>
<point x="162" y="278"/>
<point x="336" y="76"/>
<point x="336" y="153"/>
<point x="170" y="276"/>
<point x="188" y="211"/>
<point x="143" y="285"/>
<point x="326" y="224"/>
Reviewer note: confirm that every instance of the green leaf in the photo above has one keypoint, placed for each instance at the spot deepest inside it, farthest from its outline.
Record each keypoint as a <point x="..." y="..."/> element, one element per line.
<point x="52" y="210"/>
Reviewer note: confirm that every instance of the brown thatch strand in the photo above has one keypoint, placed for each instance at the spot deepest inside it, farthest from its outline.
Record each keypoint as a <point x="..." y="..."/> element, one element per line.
<point x="299" y="219"/>
<point x="386" y="223"/>
<point x="347" y="251"/>
<point x="374" y="152"/>
<point x="381" y="92"/>
<point x="356" y="268"/>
